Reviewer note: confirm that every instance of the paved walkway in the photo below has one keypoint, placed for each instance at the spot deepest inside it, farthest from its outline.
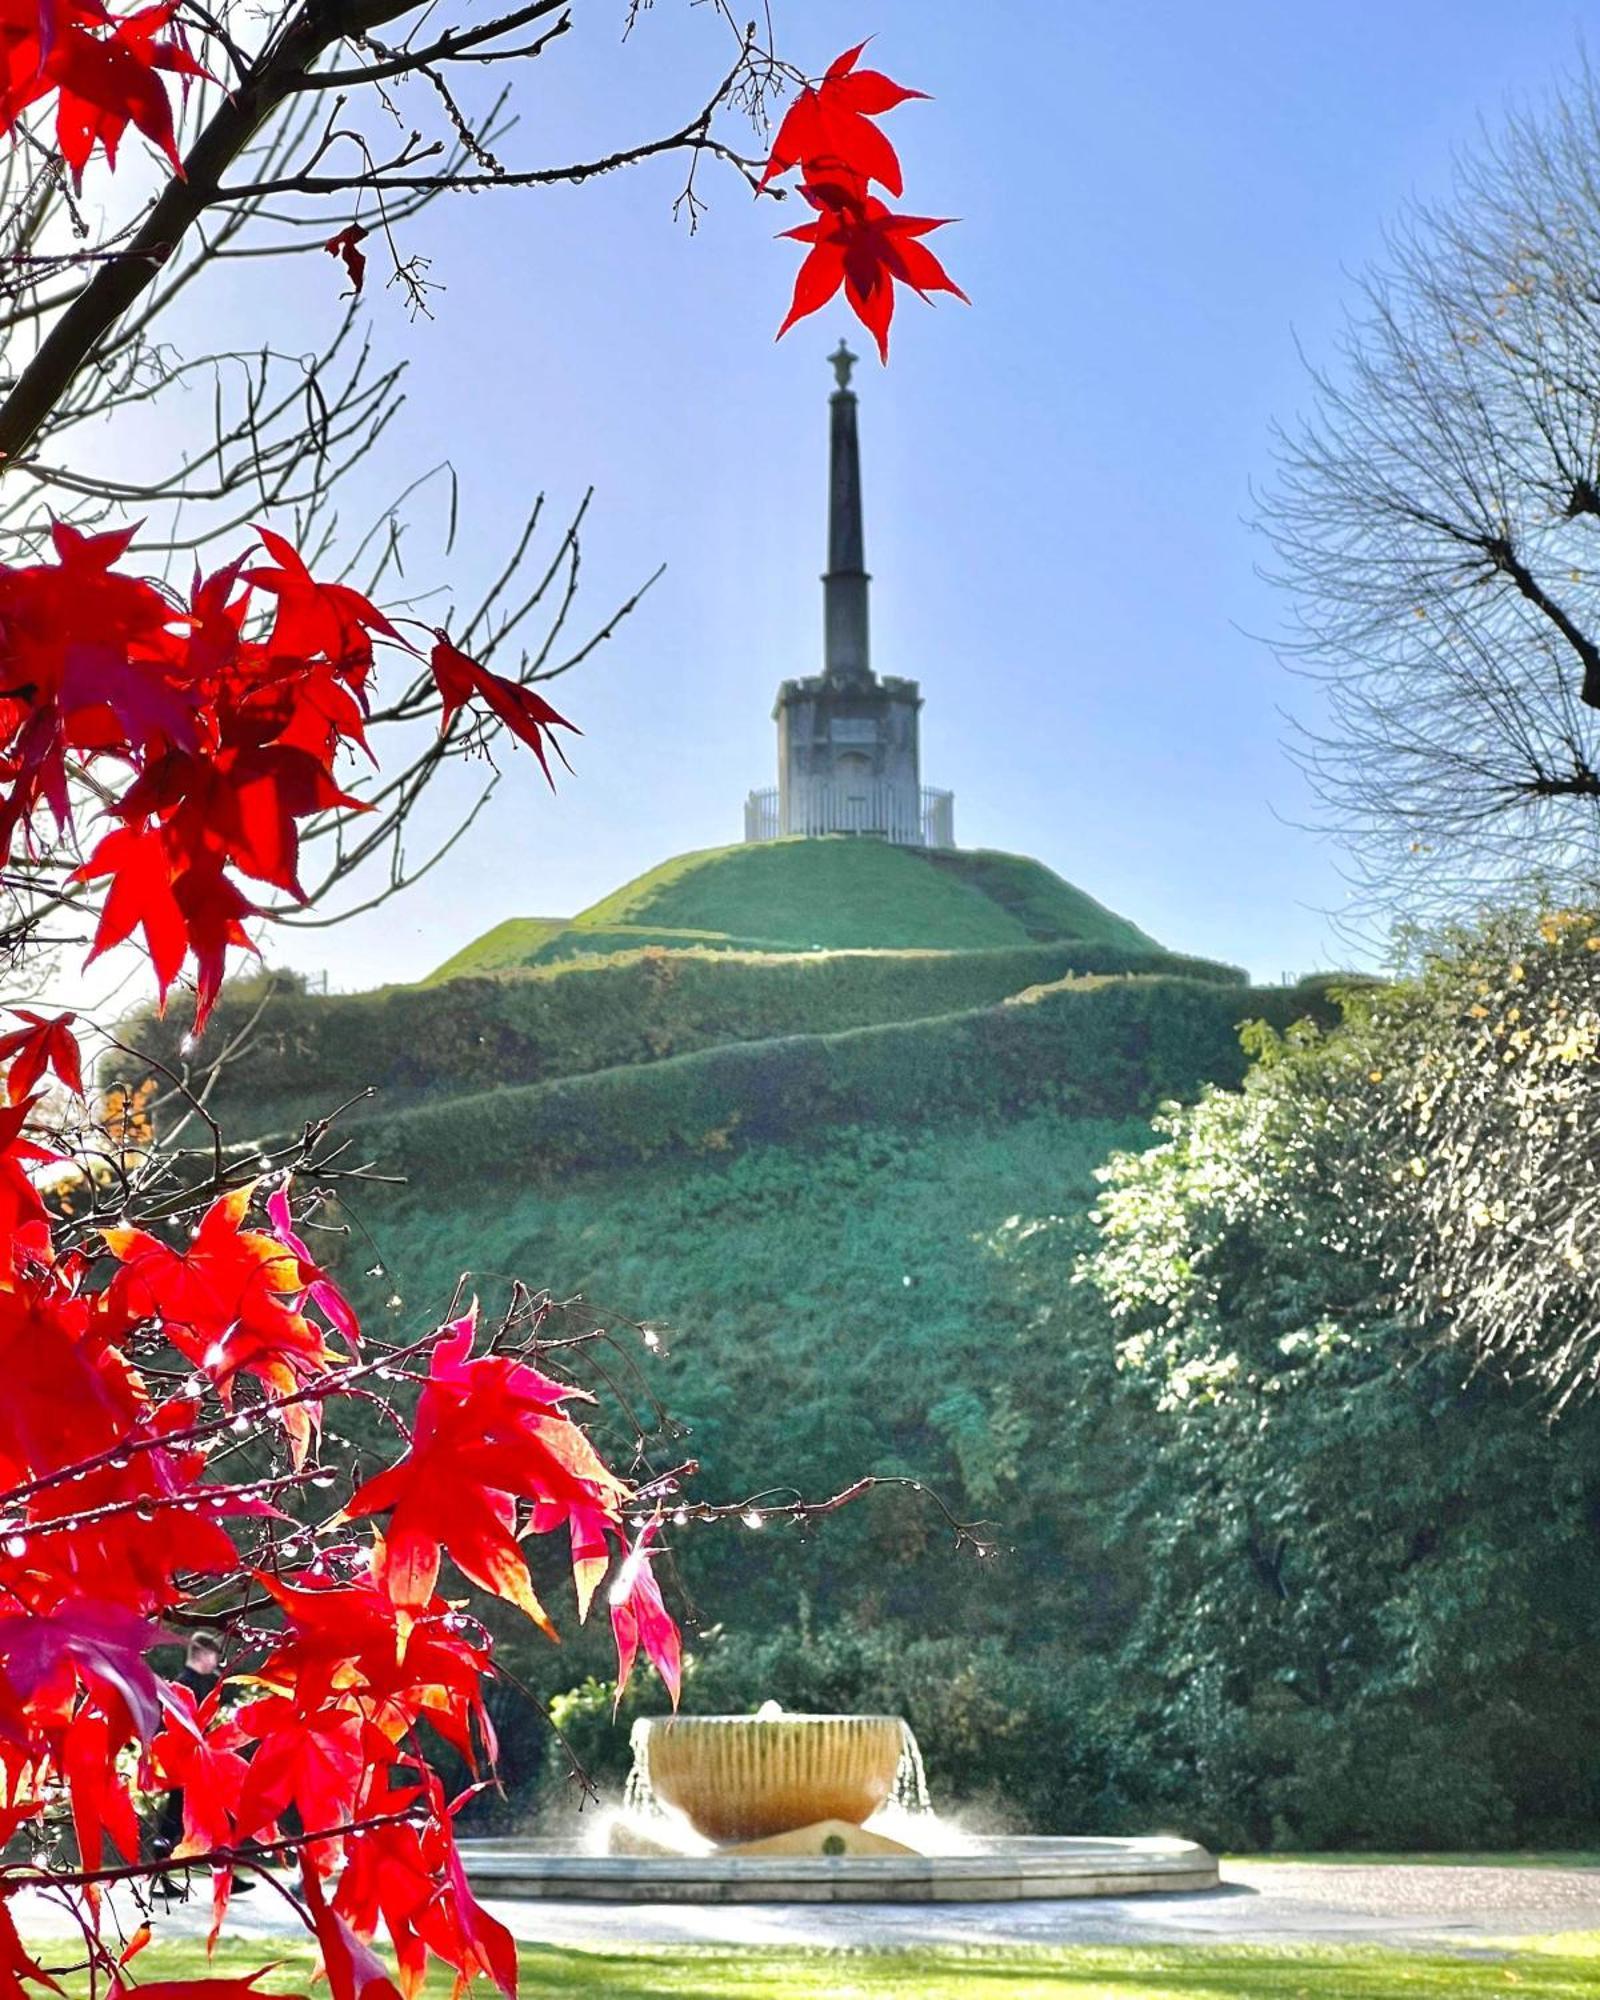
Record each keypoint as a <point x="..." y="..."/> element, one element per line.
<point x="1268" y="1903"/>
<point x="1281" y="1903"/>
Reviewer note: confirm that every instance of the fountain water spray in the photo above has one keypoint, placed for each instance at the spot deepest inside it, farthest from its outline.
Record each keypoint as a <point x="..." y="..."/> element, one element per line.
<point x="773" y="1806"/>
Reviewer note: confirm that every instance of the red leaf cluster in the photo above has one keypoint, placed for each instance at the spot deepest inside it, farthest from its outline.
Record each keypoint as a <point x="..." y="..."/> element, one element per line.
<point x="828" y="136"/>
<point x="206" y="731"/>
<point x="229" y="1301"/>
<point x="106" y="70"/>
<point x="347" y="1670"/>
<point x="214" y="725"/>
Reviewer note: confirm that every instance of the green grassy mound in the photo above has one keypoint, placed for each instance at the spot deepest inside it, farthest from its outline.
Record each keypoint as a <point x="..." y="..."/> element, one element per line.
<point x="837" y="894"/>
<point x="820" y="1303"/>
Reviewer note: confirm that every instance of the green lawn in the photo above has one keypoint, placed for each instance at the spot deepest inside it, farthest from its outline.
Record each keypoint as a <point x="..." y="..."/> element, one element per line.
<point x="1558" y="1969"/>
<point x="1531" y="1858"/>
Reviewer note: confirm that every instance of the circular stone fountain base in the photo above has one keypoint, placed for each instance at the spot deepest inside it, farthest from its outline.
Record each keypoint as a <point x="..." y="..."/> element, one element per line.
<point x="988" y="1871"/>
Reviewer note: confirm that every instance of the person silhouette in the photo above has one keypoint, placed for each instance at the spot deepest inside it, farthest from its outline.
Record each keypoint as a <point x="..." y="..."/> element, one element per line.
<point x="200" y="1673"/>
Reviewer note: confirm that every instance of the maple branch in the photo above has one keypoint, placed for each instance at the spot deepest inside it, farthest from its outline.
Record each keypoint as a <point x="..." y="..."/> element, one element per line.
<point x="147" y="1505"/>
<point x="451" y="47"/>
<point x="214" y="1857"/>
<point x="760" y="1508"/>
<point x="117" y="286"/>
<point x="324" y="1389"/>
<point x="694" y="135"/>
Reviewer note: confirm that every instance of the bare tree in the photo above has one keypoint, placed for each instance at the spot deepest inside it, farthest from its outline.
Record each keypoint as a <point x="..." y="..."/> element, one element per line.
<point x="302" y="138"/>
<point x="327" y="119"/>
<point x="1437" y="519"/>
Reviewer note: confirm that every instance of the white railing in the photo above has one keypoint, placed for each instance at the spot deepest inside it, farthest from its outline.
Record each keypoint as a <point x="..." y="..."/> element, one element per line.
<point x="877" y="811"/>
<point x="761" y="815"/>
<point x="938" y="818"/>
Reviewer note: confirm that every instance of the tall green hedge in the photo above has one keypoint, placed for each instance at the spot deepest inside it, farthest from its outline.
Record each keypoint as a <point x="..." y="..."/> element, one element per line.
<point x="1091" y="1048"/>
<point x="308" y="1052"/>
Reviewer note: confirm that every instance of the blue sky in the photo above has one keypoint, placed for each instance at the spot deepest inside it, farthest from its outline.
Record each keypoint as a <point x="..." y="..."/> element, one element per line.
<point x="1158" y="200"/>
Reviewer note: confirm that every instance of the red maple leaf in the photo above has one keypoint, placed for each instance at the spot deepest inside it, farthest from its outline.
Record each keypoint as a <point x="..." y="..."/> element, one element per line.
<point x="487" y="1433"/>
<point x="639" y="1618"/>
<point x="588" y="1528"/>
<point x="210" y="1776"/>
<point x="183" y="903"/>
<point x="353" y="1969"/>
<point x="315" y="1283"/>
<point x="229" y="1302"/>
<point x="239" y="806"/>
<point x="100" y="1646"/>
<point x="16" y="1963"/>
<point x="858" y="243"/>
<point x="411" y="1876"/>
<point x="213" y="913"/>
<point x="101" y="1802"/>
<point x="219" y="1988"/>
<point x="350" y="1636"/>
<point x="141" y="897"/>
<point x="65" y="1393"/>
<point x="105" y="69"/>
<point x="830" y="126"/>
<point x="315" y="1763"/>
<point x="108" y="82"/>
<point x="80" y="647"/>
<point x="326" y="618"/>
<point x="45" y="1043"/>
<point x="527" y="715"/>
<point x="24" y="1219"/>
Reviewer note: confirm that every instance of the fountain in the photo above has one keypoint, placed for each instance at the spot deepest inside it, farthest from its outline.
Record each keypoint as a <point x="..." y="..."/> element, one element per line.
<point x="775" y="1807"/>
<point x="768" y="1783"/>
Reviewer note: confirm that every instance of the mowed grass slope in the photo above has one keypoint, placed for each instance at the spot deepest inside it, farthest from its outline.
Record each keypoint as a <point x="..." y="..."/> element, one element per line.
<point x="787" y="945"/>
<point x="837" y="894"/>
<point x="1039" y="900"/>
<point x="820" y="1311"/>
<point x="513" y="943"/>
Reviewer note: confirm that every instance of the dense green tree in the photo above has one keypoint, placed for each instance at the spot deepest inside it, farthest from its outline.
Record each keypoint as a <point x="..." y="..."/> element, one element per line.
<point x="1371" y="1565"/>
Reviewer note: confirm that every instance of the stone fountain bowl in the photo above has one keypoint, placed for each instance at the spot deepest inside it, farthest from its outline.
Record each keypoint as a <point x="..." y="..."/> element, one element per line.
<point x="748" y="1777"/>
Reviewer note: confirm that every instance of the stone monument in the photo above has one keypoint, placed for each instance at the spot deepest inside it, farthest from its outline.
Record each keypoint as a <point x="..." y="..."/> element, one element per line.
<point x="848" y="754"/>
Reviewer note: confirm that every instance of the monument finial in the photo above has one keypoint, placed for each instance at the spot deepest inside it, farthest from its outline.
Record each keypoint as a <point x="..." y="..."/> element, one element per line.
<point x="843" y="361"/>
